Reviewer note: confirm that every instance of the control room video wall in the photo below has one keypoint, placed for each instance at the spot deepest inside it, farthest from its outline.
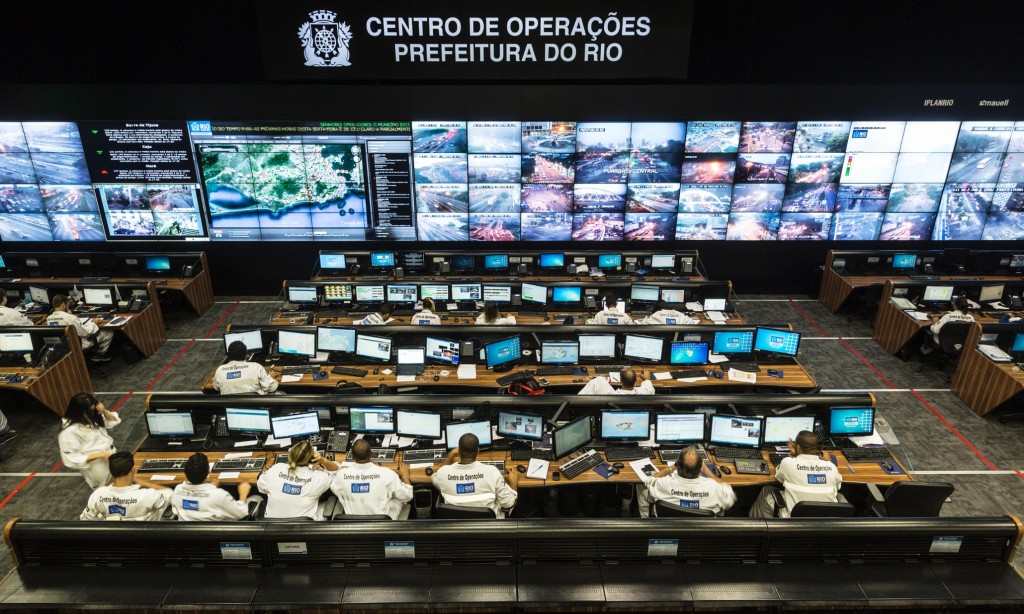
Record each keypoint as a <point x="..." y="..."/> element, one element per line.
<point x="512" y="181"/>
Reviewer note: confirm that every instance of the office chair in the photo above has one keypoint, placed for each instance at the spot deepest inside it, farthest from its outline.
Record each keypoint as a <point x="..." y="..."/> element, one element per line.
<point x="461" y="512"/>
<point x="256" y="509"/>
<point x="952" y="337"/>
<point x="343" y="517"/>
<point x="349" y="388"/>
<point x="910" y="499"/>
<point x="664" y="509"/>
<point x="821" y="509"/>
<point x="871" y="298"/>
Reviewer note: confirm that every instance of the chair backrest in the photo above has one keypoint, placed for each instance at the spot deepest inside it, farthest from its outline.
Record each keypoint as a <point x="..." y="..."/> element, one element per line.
<point x="359" y="517"/>
<point x="953" y="335"/>
<point x="349" y="388"/>
<point x="916" y="499"/>
<point x="664" y="509"/>
<point x="447" y="510"/>
<point x="821" y="509"/>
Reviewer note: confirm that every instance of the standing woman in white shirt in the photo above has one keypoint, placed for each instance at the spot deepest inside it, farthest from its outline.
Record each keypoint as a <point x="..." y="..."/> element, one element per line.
<point x="293" y="489"/>
<point x="491" y="315"/>
<point x="84" y="442"/>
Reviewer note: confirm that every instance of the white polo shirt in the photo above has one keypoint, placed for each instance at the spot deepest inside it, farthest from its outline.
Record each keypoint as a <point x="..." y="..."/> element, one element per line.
<point x="474" y="485"/>
<point x="294" y="495"/>
<point x="807" y="478"/>
<point x="367" y="489"/>
<point x="206" y="502"/>
<point x="126" y="503"/>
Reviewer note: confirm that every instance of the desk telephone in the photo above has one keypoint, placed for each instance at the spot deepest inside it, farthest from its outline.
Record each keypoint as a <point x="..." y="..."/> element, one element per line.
<point x="220" y="427"/>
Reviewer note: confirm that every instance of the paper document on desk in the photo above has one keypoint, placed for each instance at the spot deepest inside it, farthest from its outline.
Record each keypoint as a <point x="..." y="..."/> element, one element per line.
<point x="643" y="468"/>
<point x="467" y="372"/>
<point x="902" y="303"/>
<point x="404" y="442"/>
<point x="287" y="379"/>
<point x="229" y="475"/>
<point x="538" y="469"/>
<point x="405" y="378"/>
<point x="742" y="376"/>
<point x="615" y="378"/>
<point x="717" y="358"/>
<point x="691" y="380"/>
<point x="161" y="478"/>
<point x="658" y="376"/>
<point x="874" y="439"/>
<point x="717" y="316"/>
<point x="920" y="316"/>
<point x="994" y="353"/>
<point x="272" y="441"/>
<point x="231" y="455"/>
<point x="694" y="306"/>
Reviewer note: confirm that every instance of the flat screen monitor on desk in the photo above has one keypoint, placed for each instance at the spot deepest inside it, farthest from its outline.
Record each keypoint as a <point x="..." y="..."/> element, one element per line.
<point x="573" y="436"/>
<point x="502" y="354"/>
<point x="437" y="292"/>
<point x="1017" y="347"/>
<point x="688" y="353"/>
<point x="402" y="293"/>
<point x="170" y="424"/>
<point x="626" y="425"/>
<point x="784" y="342"/>
<point x="466" y="292"/>
<point x="938" y="294"/>
<point x="369" y="294"/>
<point x="904" y="262"/>
<point x="301" y="424"/>
<point x="158" y="264"/>
<point x="783" y="429"/>
<point x="597" y="346"/>
<point x="673" y="296"/>
<point x="299" y="343"/>
<point x="559" y="352"/>
<point x="735" y="431"/>
<point x="714" y="304"/>
<point x="330" y="339"/>
<point x="99" y="297"/>
<point x="733" y="342"/>
<point x="679" y="428"/>
<point x="1017" y="261"/>
<point x="532" y="293"/>
<point x="373" y="420"/>
<point x="39" y="295"/>
<point x="609" y="261"/>
<point x="665" y="262"/>
<point x="990" y="294"/>
<point x="517" y="425"/>
<point x="480" y="428"/>
<point x="851" y="421"/>
<point x="382" y="260"/>
<point x="302" y="295"/>
<point x="463" y="263"/>
<point x="552" y="261"/>
<point x="252" y="339"/>
<point x="567" y="295"/>
<point x="643" y="294"/>
<point x="444" y="351"/>
<point x="495" y="262"/>
<point x="15" y="343"/>
<point x="643" y="348"/>
<point x="374" y="348"/>
<point x="245" y="420"/>
<point x="419" y="424"/>
<point x="334" y="262"/>
<point x="498" y="294"/>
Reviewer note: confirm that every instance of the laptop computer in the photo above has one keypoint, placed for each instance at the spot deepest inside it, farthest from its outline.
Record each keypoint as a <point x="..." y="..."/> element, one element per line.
<point x="410" y="361"/>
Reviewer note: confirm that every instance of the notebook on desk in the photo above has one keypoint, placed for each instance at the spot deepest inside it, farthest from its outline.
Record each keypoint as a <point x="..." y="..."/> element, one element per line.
<point x="994" y="353"/>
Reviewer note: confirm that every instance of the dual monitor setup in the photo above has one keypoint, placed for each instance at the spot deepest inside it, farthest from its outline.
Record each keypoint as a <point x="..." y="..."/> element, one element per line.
<point x="335" y="263"/>
<point x="175" y="425"/>
<point x="949" y="261"/>
<point x="35" y="265"/>
<point x="95" y="296"/>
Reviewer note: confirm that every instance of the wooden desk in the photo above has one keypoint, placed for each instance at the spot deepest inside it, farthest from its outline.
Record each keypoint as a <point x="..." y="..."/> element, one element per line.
<point x="981" y="384"/>
<point x="529" y="318"/>
<point x="55" y="385"/>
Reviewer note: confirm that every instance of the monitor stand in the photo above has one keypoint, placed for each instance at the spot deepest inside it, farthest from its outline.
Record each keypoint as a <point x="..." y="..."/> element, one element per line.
<point x="503" y="368"/>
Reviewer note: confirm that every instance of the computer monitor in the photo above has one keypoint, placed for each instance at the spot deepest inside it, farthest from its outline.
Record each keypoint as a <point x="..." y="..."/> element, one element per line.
<point x="411" y="356"/>
<point x="775" y="341"/>
<point x="253" y="340"/>
<point x="3" y="265"/>
<point x="559" y="352"/>
<point x="938" y="294"/>
<point x="372" y="347"/>
<point x="481" y="428"/>
<point x="609" y="261"/>
<point x="904" y="261"/>
<point x="380" y="260"/>
<point x="414" y="261"/>
<point x="402" y="293"/>
<point x="989" y="294"/>
<point x="158" y="263"/>
<point x="552" y="261"/>
<point x="495" y="261"/>
<point x="296" y="342"/>
<point x="103" y="297"/>
<point x="502" y="353"/>
<point x="444" y="351"/>
<point x="463" y="263"/>
<point x="419" y="424"/>
<point x="643" y="348"/>
<point x="337" y="293"/>
<point x="679" y="428"/>
<point x="782" y="429"/>
<point x="626" y="425"/>
<point x="1017" y="261"/>
<point x="573" y="436"/>
<point x="673" y="296"/>
<point x="15" y="343"/>
<point x="437" y="292"/>
<point x="1017" y="347"/>
<point x="302" y="294"/>
<point x="518" y="425"/>
<point x="371" y="419"/>
<point x="663" y="261"/>
<point x="247" y="420"/>
<point x="714" y="304"/>
<point x="851" y="421"/>
<point x="39" y="295"/>
<point x="641" y="293"/>
<point x="170" y="424"/>
<point x="466" y="292"/>
<point x="329" y="339"/>
<point x="302" y="424"/>
<point x="498" y="294"/>
<point x="597" y="346"/>
<point x="566" y="294"/>
<point x="733" y="342"/>
<point x="369" y="294"/>
<point x="332" y="261"/>
<point x="534" y="294"/>
<point x="735" y="431"/>
<point x="688" y="353"/>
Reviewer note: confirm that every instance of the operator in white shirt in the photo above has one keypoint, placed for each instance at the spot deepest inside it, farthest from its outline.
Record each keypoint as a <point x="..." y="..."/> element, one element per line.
<point x="197" y="499"/>
<point x="689" y="484"/>
<point x="491" y="316"/>
<point x="666" y="315"/>
<point x="804" y="476"/>
<point x="84" y="442"/>
<point x="472" y="484"/>
<point x="381" y="316"/>
<point x="128" y="497"/>
<point x="959" y="314"/>
<point x="239" y="376"/>
<point x="11" y="317"/>
<point x="293" y="489"/>
<point x="610" y="314"/>
<point x="89" y="333"/>
<point x="628" y="377"/>
<point x="366" y="488"/>
<point x="426" y="316"/>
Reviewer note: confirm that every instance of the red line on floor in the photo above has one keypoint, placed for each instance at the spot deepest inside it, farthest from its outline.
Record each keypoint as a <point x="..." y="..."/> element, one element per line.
<point x="1020" y="473"/>
<point x="167" y="368"/>
<point x="121" y="401"/>
<point x="220" y="321"/>
<point x="868" y="363"/>
<point x="807" y="317"/>
<point x="57" y="467"/>
<point x="16" y="489"/>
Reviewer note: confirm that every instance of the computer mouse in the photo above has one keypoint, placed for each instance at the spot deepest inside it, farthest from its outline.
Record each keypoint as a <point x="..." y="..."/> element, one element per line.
<point x="429" y="471"/>
<point x="521" y="468"/>
<point x="725" y="470"/>
<point x="323" y="373"/>
<point x="376" y="370"/>
<point x="546" y="318"/>
<point x="618" y="465"/>
<point x="437" y="378"/>
<point x="887" y="466"/>
<point x="613" y="470"/>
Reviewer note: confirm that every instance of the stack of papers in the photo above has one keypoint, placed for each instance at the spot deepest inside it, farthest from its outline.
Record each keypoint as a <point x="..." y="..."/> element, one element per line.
<point x="902" y="303"/>
<point x="717" y="316"/>
<point x="920" y="316"/>
<point x="742" y="376"/>
<point x="467" y="372"/>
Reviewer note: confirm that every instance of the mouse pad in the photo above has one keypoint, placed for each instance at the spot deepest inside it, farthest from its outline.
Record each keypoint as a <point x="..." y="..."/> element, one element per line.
<point x="603" y="470"/>
<point x="895" y="469"/>
<point x="317" y="377"/>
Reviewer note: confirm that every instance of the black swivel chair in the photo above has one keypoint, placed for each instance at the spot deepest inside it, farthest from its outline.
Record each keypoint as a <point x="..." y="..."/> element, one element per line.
<point x="821" y="509"/>
<point x="952" y="337"/>
<point x="664" y="509"/>
<point x="462" y="512"/>
<point x="910" y="499"/>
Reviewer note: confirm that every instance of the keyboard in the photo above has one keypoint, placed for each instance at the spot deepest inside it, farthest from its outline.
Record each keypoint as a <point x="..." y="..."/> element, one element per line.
<point x="866" y="454"/>
<point x="924" y="277"/>
<point x="609" y="368"/>
<point x="538" y="453"/>
<point x="117" y="321"/>
<point x="749" y="367"/>
<point x="399" y="313"/>
<point x="726" y="454"/>
<point x="628" y="454"/>
<point x="163" y="464"/>
<point x="374" y="278"/>
<point x="562" y="316"/>
<point x="670" y="455"/>
<point x="350" y="371"/>
<point x="499" y="465"/>
<point x="688" y="373"/>
<point x="380" y="455"/>
<point x="425" y="455"/>
<point x="91" y="279"/>
<point x="618" y="277"/>
<point x="566" y="370"/>
<point x="459" y="313"/>
<point x="580" y="464"/>
<point x="296" y="369"/>
<point x="239" y="464"/>
<point x="776" y="458"/>
<point x="329" y="314"/>
<point x="517" y="376"/>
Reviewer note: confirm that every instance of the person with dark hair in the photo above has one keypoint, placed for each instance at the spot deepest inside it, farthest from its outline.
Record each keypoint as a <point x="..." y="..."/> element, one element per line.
<point x="11" y="317"/>
<point x="366" y="488"/>
<point x="474" y="484"/>
<point x="89" y="333"/>
<point x="84" y="442"/>
<point x="426" y="316"/>
<point x="611" y="313"/>
<point x="492" y="316"/>
<point x="197" y="499"/>
<point x="293" y="489"/>
<point x="239" y="376"/>
<point x="804" y="477"/>
<point x="628" y="377"/>
<point x="128" y="497"/>
<point x="689" y="484"/>
<point x="959" y="314"/>
<point x="382" y="316"/>
<point x="666" y="315"/>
